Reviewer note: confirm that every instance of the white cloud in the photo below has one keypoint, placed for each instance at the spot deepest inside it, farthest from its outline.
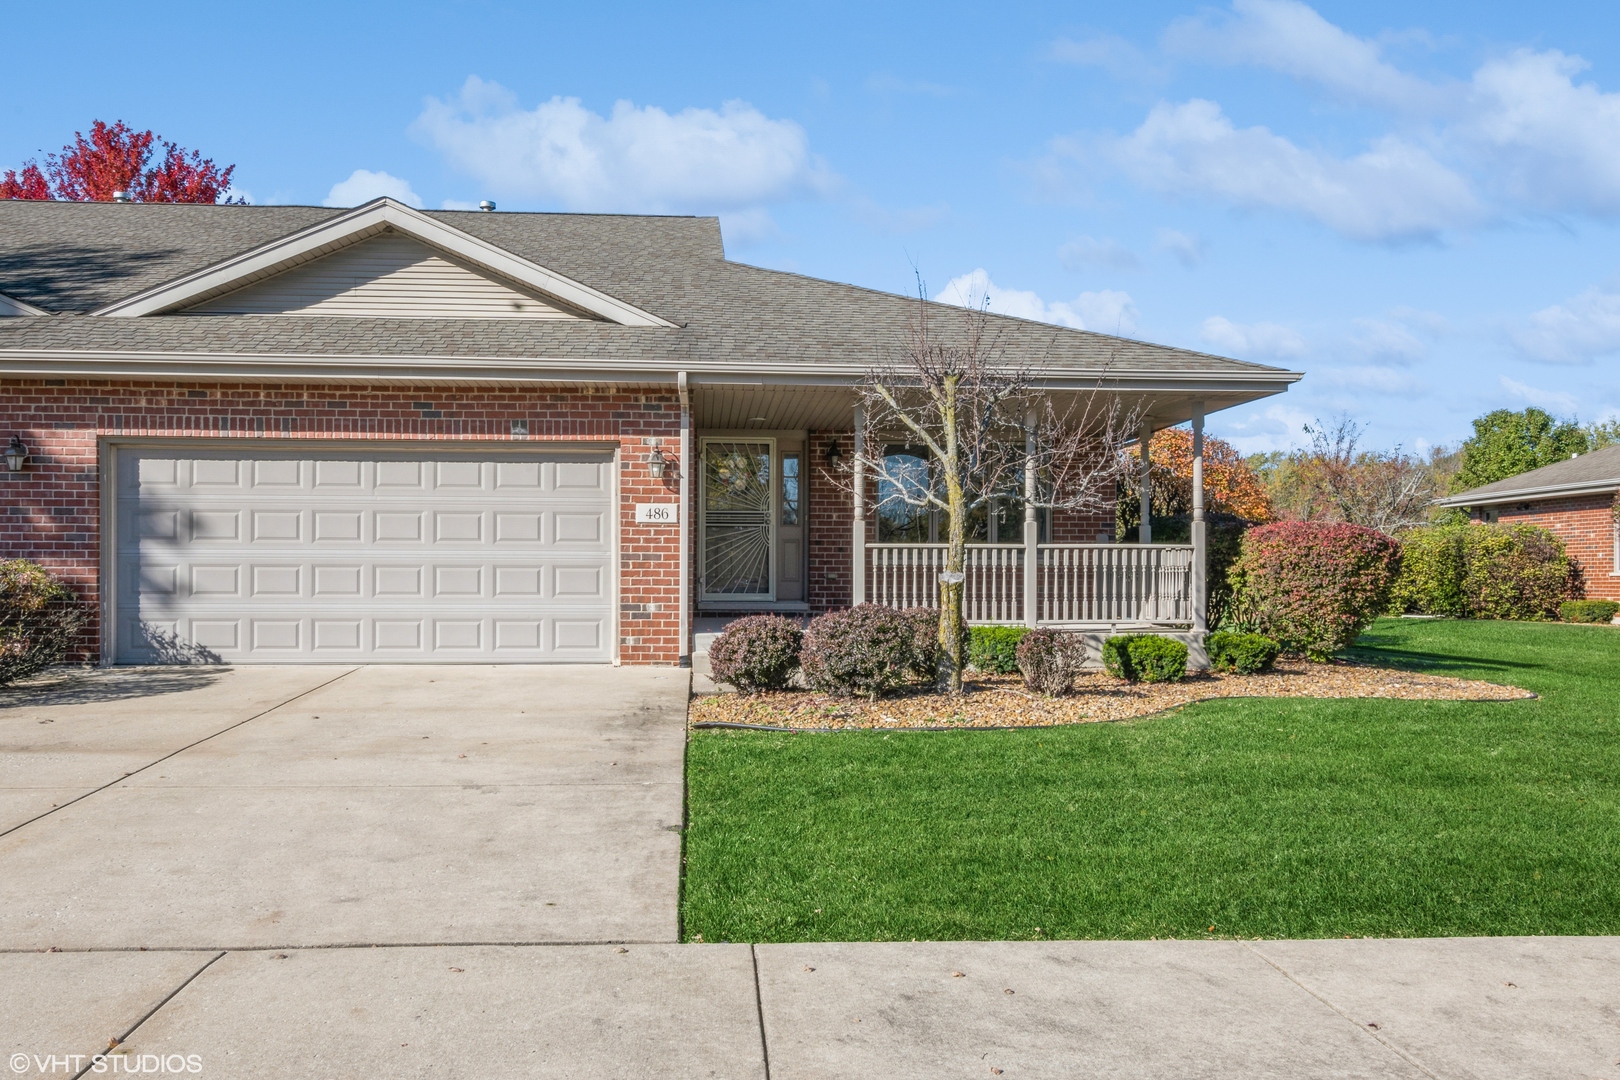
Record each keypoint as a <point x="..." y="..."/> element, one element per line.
<point x="1395" y="190"/>
<point x="1106" y="311"/>
<point x="1252" y="339"/>
<point x="1544" y="141"/>
<point x="1277" y="427"/>
<point x="1553" y="400"/>
<point x="1188" y="248"/>
<point x="634" y="159"/>
<point x="1388" y="341"/>
<point x="1577" y="331"/>
<point x="1087" y="251"/>
<point x="363" y="186"/>
<point x="1520" y="135"/>
<point x="1372" y="378"/>
<point x="1291" y="38"/>
<point x="1110" y="53"/>
<point x="750" y="226"/>
<point x="458" y="204"/>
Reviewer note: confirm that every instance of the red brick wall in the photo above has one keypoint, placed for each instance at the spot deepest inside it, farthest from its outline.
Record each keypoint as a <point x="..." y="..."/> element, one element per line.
<point x="1586" y="525"/>
<point x="52" y="511"/>
<point x="830" y="524"/>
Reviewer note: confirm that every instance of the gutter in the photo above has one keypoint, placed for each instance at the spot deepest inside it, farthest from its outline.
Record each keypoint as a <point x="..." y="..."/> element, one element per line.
<point x="196" y="365"/>
<point x="1494" y="498"/>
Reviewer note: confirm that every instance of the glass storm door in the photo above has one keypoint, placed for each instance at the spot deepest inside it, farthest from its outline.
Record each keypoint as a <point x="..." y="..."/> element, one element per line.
<point x="739" y="520"/>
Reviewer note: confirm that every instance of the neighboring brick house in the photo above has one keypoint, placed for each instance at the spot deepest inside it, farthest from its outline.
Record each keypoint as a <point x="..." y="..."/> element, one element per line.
<point x="304" y="434"/>
<point x="1578" y="499"/>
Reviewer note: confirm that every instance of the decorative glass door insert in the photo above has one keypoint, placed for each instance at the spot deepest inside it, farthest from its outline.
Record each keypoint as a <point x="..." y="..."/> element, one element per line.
<point x="738" y="520"/>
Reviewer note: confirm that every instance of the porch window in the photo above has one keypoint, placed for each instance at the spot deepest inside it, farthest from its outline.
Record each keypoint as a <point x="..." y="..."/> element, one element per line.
<point x="910" y="472"/>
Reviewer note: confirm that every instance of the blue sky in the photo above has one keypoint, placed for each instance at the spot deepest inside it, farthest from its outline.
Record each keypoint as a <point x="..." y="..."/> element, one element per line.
<point x="1416" y="203"/>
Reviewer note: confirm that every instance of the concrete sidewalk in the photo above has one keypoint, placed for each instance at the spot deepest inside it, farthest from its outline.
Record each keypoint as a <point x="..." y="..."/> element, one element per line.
<point x="1482" y="1008"/>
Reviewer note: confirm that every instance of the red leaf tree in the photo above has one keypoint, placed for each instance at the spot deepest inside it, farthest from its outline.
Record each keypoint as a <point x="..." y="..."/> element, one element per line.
<point x="117" y="158"/>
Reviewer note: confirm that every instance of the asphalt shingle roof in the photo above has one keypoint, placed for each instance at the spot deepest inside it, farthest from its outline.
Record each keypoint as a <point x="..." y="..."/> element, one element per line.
<point x="1597" y="467"/>
<point x="72" y="258"/>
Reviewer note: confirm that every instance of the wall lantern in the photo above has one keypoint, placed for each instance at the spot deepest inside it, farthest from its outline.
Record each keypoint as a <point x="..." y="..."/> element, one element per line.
<point x="835" y="456"/>
<point x="16" y="454"/>
<point x="658" y="465"/>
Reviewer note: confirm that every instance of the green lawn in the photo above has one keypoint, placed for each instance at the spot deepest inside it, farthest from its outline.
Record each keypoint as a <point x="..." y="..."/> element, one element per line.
<point x="1273" y="818"/>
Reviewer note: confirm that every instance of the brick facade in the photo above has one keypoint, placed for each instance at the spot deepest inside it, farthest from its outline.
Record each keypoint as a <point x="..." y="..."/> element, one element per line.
<point x="53" y="510"/>
<point x="1586" y="525"/>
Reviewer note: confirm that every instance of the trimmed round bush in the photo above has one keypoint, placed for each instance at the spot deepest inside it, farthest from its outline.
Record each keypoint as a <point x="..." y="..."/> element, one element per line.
<point x="1145" y="658"/>
<point x="1050" y="659"/>
<point x="1588" y="611"/>
<point x="1313" y="587"/>
<point x="1241" y="654"/>
<point x="994" y="649"/>
<point x="39" y="617"/>
<point x="760" y="652"/>
<point x="868" y="650"/>
<point x="1480" y="571"/>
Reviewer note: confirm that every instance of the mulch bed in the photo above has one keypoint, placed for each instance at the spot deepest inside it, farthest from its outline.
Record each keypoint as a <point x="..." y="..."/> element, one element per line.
<point x="1000" y="701"/>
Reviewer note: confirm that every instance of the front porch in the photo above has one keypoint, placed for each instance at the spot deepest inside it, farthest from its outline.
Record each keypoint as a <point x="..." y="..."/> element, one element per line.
<point x="780" y="524"/>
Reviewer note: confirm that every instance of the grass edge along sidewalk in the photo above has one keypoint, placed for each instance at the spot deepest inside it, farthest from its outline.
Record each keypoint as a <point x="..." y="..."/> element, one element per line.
<point x="1241" y="817"/>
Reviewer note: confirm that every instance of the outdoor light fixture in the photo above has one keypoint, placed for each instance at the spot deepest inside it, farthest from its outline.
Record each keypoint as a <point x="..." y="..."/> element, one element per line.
<point x="657" y="464"/>
<point x="16" y="454"/>
<point x="835" y="456"/>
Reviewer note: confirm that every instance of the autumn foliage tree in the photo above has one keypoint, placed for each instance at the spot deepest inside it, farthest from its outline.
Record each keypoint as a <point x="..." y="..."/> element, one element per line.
<point x="1230" y="485"/>
<point x="117" y="158"/>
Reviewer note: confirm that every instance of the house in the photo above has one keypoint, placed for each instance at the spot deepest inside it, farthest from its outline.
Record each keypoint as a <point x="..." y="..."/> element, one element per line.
<point x="292" y="433"/>
<point x="1578" y="499"/>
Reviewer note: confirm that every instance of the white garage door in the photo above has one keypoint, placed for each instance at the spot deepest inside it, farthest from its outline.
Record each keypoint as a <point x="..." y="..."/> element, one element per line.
<point x="256" y="556"/>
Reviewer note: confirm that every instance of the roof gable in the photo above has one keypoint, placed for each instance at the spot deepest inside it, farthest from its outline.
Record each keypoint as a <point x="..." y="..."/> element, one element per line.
<point x="380" y="218"/>
<point x="391" y="275"/>
<point x="10" y="305"/>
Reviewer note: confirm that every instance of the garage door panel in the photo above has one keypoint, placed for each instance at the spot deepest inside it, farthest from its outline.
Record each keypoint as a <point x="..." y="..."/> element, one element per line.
<point x="353" y="556"/>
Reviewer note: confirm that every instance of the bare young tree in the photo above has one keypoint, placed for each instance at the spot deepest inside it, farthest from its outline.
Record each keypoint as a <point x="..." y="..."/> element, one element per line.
<point x="982" y="421"/>
<point x="1387" y="490"/>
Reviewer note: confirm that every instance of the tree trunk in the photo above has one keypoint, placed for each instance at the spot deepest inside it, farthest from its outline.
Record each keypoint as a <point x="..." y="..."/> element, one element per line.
<point x="953" y="579"/>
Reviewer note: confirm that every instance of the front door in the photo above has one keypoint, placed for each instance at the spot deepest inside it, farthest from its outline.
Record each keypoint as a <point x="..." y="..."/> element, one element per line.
<point x="737" y="523"/>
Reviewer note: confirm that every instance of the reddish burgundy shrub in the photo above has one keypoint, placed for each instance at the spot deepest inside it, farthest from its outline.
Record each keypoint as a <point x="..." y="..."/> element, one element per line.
<point x="760" y="652"/>
<point x="1314" y="587"/>
<point x="867" y="650"/>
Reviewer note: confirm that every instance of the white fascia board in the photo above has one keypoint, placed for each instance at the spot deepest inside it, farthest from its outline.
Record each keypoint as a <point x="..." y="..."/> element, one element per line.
<point x="84" y="361"/>
<point x="10" y="305"/>
<point x="1550" y="491"/>
<point x="369" y="219"/>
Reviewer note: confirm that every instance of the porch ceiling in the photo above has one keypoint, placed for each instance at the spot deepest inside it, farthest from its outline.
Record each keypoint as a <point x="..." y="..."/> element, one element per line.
<point x="737" y="405"/>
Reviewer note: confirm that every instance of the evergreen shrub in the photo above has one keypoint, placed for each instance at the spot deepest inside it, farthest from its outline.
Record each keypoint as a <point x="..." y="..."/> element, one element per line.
<point x="994" y="649"/>
<point x="1241" y="654"/>
<point x="1145" y="658"/>
<point x="39" y="617"/>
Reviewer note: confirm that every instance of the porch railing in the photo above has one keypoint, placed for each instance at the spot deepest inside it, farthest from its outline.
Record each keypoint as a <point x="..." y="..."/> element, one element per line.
<point x="1075" y="583"/>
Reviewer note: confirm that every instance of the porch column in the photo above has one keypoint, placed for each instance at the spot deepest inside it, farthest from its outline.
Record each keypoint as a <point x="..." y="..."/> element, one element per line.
<point x="1032" y="527"/>
<point x="1200" y="574"/>
<point x="857" y="547"/>
<point x="684" y="521"/>
<point x="1144" y="532"/>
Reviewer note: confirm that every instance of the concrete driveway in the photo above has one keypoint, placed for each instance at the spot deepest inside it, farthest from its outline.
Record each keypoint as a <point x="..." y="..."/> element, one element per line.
<point x="227" y="808"/>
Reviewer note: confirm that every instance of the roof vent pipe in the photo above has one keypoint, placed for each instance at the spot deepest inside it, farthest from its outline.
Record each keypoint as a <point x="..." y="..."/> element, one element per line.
<point x="486" y="206"/>
<point x="122" y="196"/>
